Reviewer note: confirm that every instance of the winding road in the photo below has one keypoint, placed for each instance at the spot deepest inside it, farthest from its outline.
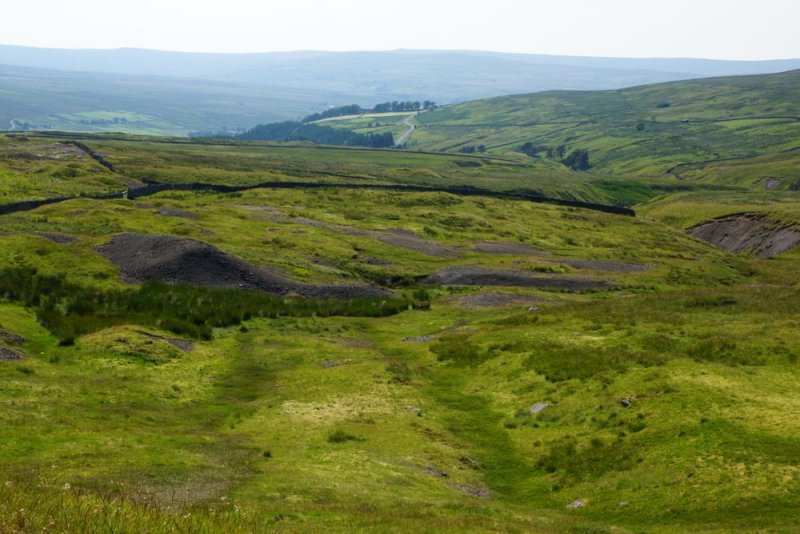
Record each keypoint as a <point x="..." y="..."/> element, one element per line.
<point x="408" y="121"/>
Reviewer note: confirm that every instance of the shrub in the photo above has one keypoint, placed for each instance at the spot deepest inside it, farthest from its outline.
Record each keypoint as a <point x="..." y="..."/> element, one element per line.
<point x="340" y="436"/>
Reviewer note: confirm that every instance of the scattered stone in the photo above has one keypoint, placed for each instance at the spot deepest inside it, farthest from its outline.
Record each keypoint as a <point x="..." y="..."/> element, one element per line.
<point x="467" y="275"/>
<point x="173" y="260"/>
<point x="417" y="339"/>
<point x="470" y="462"/>
<point x="507" y="248"/>
<point x="491" y="300"/>
<point x="580" y="503"/>
<point x="330" y="363"/>
<point x="180" y="344"/>
<point x="433" y="471"/>
<point x="8" y="355"/>
<point x="768" y="182"/>
<point x="627" y="401"/>
<point x="59" y="239"/>
<point x="607" y="266"/>
<point x="539" y="407"/>
<point x="171" y="212"/>
<point x="376" y="261"/>
<point x="13" y="339"/>
<point x="473" y="491"/>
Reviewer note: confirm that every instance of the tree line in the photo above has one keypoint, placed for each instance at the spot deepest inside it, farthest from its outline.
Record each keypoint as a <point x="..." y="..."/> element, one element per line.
<point x="316" y="133"/>
<point x="355" y="109"/>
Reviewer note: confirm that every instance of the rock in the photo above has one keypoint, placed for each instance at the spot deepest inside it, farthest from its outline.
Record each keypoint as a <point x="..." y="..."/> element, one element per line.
<point x="331" y="363"/>
<point x="580" y="503"/>
<point x="539" y="407"/>
<point x="433" y="471"/>
<point x="418" y="339"/>
<point x="470" y="462"/>
<point x="8" y="355"/>
<point x="473" y="491"/>
<point x="10" y="338"/>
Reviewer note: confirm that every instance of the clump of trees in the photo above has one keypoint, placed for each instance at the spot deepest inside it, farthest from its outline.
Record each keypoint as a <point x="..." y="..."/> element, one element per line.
<point x="341" y="111"/>
<point x="395" y="106"/>
<point x="471" y="149"/>
<point x="577" y="160"/>
<point x="316" y="133"/>
<point x="355" y="109"/>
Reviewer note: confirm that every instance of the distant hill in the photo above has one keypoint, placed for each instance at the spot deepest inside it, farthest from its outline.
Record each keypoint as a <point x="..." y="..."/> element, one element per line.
<point x="638" y="132"/>
<point x="42" y="99"/>
<point x="177" y="93"/>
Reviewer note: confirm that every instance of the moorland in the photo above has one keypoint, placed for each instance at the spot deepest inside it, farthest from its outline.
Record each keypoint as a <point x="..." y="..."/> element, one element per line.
<point x="202" y="335"/>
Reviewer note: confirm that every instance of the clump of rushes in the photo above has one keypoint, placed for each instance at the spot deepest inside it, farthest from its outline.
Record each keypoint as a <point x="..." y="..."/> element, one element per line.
<point x="70" y="310"/>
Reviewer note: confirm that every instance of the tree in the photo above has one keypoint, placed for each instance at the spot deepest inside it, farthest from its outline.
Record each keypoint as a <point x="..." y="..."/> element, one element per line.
<point x="578" y="160"/>
<point x="530" y="149"/>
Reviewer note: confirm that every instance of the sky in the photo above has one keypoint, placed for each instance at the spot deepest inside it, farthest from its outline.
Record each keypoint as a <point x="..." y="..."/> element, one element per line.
<point x="720" y="29"/>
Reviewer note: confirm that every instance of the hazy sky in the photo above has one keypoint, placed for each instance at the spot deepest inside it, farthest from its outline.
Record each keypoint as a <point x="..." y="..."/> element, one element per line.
<point x="728" y="29"/>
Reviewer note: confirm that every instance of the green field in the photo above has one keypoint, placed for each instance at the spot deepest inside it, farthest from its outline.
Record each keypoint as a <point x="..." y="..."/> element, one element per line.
<point x="530" y="367"/>
<point x="640" y="132"/>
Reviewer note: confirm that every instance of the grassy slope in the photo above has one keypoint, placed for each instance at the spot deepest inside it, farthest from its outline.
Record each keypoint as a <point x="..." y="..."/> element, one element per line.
<point x="677" y="123"/>
<point x="176" y="161"/>
<point x="112" y="440"/>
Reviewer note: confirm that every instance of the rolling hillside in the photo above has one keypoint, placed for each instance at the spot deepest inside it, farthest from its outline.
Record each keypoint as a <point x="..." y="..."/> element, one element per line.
<point x="641" y="132"/>
<point x="168" y="93"/>
<point x="39" y="99"/>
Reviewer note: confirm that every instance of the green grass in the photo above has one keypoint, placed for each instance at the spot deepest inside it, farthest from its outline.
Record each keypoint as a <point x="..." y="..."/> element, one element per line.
<point x="630" y="132"/>
<point x="323" y="417"/>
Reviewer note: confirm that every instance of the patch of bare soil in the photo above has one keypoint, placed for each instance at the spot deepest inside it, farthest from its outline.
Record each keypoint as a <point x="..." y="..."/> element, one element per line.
<point x="167" y="212"/>
<point x="480" y="276"/>
<point x="417" y="339"/>
<point x="495" y="300"/>
<point x="10" y="338"/>
<point x="376" y="261"/>
<point x="753" y="233"/>
<point x="173" y="260"/>
<point x="180" y="344"/>
<point x="411" y="241"/>
<point x="768" y="182"/>
<point x="8" y="355"/>
<point x="472" y="491"/>
<point x="607" y="266"/>
<point x="507" y="248"/>
<point x="60" y="239"/>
